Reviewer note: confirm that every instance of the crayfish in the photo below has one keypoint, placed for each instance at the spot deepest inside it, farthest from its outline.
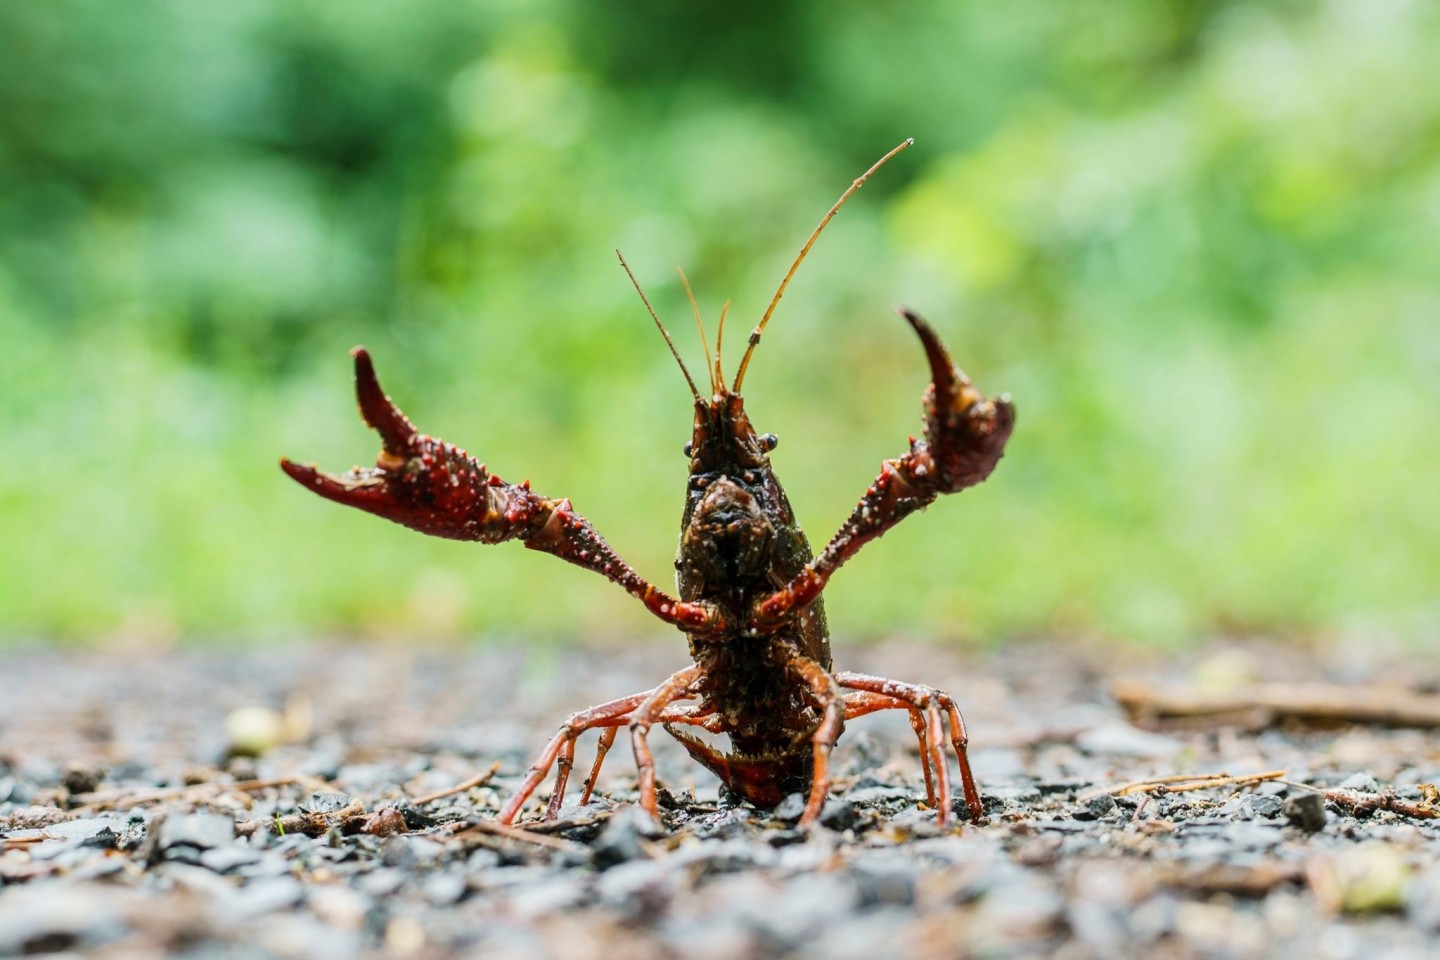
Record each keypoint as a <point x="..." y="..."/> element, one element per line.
<point x="748" y="584"/>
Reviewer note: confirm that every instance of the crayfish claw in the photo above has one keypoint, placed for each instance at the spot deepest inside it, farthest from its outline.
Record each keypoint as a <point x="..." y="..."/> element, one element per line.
<point x="301" y="474"/>
<point x="380" y="413"/>
<point x="422" y="482"/>
<point x="364" y="489"/>
<point x="953" y="389"/>
<point x="965" y="431"/>
<point x="389" y="488"/>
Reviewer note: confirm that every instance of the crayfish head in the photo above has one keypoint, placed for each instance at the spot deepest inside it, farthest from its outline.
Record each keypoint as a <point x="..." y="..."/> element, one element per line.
<point x="724" y="441"/>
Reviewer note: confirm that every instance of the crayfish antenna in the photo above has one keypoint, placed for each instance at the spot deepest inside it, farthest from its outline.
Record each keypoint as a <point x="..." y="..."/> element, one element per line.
<point x="814" y="235"/>
<point x="699" y="325"/>
<point x="720" y="342"/>
<point x="660" y="326"/>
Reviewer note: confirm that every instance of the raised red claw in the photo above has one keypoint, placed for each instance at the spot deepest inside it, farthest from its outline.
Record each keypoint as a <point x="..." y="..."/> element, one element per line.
<point x="965" y="435"/>
<point x="418" y="481"/>
<point x="435" y="487"/>
<point x="965" y="432"/>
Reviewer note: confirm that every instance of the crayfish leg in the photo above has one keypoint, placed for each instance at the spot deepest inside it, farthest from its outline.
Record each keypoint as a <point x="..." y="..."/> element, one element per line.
<point x="827" y="696"/>
<point x="647" y="707"/>
<point x="574" y="725"/>
<point x="860" y="703"/>
<point x="674" y="688"/>
<point x="564" y="763"/>
<point x="933" y="703"/>
<point x="602" y="747"/>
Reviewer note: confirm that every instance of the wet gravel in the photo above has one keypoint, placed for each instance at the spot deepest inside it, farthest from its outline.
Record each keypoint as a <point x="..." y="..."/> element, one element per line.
<point x="132" y="828"/>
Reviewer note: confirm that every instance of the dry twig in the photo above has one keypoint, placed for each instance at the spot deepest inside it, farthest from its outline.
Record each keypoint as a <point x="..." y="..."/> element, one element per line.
<point x="475" y="781"/>
<point x="1370" y="803"/>
<point x="1268" y="703"/>
<point x="349" y="818"/>
<point x="1180" y="783"/>
<point x="193" y="792"/>
<point x="497" y="829"/>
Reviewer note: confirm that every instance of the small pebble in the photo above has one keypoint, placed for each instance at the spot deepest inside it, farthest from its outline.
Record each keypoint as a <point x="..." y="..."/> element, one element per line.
<point x="791" y="808"/>
<point x="638" y="888"/>
<point x="382" y="882"/>
<point x="1361" y="783"/>
<point x="1097" y="808"/>
<point x="1261" y="805"/>
<point x="174" y="834"/>
<point x="839" y="814"/>
<point x="80" y="778"/>
<point x="385" y="822"/>
<point x="877" y="795"/>
<point x="803" y="906"/>
<point x="1306" y="811"/>
<point x="35" y="920"/>
<point x="340" y="907"/>
<point x="228" y="858"/>
<point x="620" y="839"/>
<point x="252" y="731"/>
<point x="86" y="828"/>
<point x="1422" y="900"/>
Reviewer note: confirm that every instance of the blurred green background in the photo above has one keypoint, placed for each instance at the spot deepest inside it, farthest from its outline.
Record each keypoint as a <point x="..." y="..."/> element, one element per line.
<point x="1196" y="241"/>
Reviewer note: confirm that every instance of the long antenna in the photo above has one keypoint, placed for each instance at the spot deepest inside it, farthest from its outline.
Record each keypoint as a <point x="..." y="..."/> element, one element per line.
<point x="699" y="325"/>
<point x="663" y="332"/>
<point x="760" y="327"/>
<point x="720" y="342"/>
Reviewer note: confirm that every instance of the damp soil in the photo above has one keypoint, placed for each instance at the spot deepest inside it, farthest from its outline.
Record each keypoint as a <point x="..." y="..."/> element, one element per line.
<point x="130" y="826"/>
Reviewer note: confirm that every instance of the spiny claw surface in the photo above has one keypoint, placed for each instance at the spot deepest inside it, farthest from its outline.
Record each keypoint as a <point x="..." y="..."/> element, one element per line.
<point x="417" y="481"/>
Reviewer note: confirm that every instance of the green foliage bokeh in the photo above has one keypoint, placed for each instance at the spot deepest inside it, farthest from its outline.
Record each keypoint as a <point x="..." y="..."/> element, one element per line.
<point x="1195" y="241"/>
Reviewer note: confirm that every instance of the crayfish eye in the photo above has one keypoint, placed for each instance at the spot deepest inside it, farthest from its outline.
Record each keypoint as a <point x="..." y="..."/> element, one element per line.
<point x="689" y="448"/>
<point x="768" y="441"/>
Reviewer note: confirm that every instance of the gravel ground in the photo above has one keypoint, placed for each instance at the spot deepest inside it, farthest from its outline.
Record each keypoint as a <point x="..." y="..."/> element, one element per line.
<point x="132" y="829"/>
